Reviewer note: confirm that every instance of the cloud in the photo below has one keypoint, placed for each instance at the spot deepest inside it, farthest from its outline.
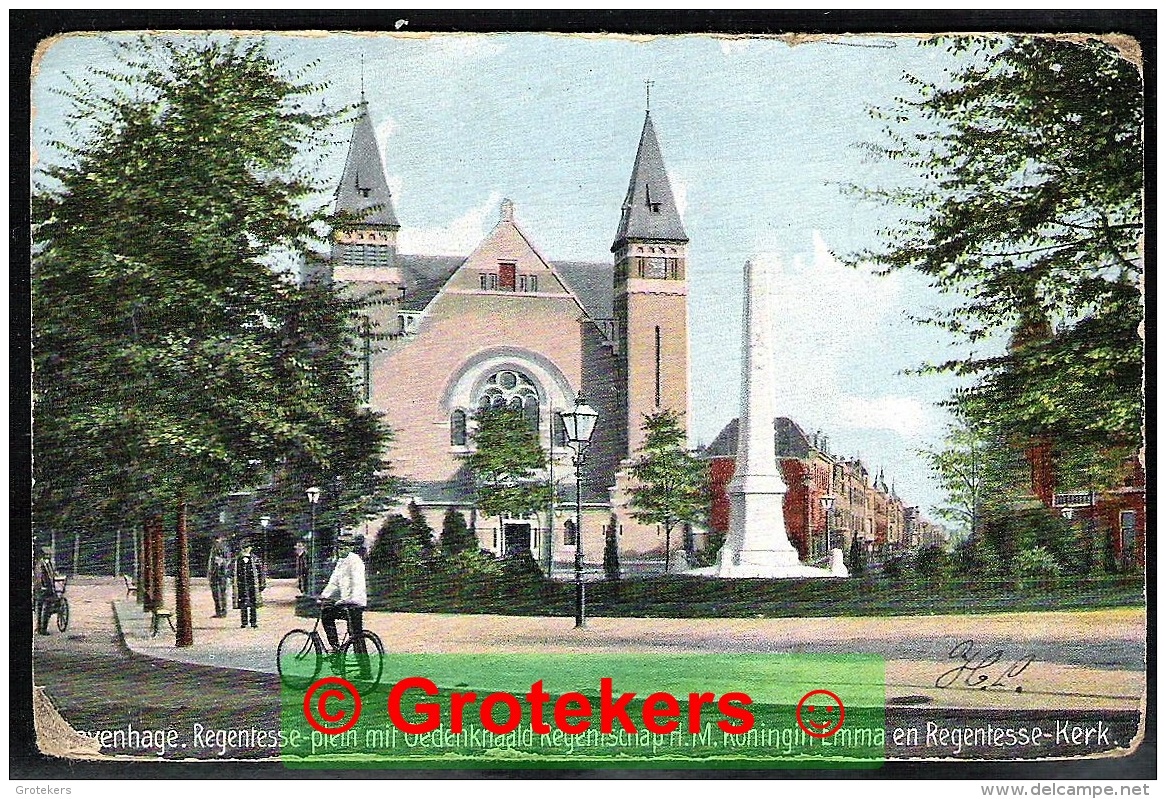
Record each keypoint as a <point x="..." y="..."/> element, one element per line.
<point x="458" y="237"/>
<point x="829" y="321"/>
<point x="906" y="416"/>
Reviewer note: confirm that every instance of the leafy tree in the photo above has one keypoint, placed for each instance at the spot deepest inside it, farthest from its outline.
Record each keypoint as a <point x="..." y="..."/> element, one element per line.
<point x="1027" y="209"/>
<point x="611" y="569"/>
<point x="397" y="548"/>
<point x="976" y="468"/>
<point x="419" y="528"/>
<point x="164" y="367"/>
<point x="455" y="534"/>
<point x="508" y="464"/>
<point x="671" y="484"/>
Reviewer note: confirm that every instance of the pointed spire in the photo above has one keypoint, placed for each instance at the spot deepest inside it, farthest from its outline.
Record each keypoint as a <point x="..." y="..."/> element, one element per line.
<point x="363" y="187"/>
<point x="649" y="210"/>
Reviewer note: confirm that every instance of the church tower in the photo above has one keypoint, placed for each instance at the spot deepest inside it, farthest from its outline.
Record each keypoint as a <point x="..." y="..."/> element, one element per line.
<point x="651" y="293"/>
<point x="370" y="237"/>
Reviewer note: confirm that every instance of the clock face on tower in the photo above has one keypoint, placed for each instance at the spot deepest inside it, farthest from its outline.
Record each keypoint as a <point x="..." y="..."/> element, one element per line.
<point x="656" y="268"/>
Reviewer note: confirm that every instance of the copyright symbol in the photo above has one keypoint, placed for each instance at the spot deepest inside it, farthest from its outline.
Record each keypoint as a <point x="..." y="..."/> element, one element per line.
<point x="320" y="705"/>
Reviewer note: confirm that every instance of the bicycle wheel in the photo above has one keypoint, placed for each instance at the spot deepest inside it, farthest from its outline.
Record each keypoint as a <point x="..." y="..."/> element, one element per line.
<point x="366" y="668"/>
<point x="63" y="615"/>
<point x="299" y="659"/>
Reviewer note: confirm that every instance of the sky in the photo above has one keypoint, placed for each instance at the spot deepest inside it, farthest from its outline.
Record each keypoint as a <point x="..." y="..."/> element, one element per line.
<point x="758" y="136"/>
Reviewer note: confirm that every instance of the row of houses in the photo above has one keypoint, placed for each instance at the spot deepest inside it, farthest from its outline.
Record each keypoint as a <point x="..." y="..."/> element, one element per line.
<point x="831" y="500"/>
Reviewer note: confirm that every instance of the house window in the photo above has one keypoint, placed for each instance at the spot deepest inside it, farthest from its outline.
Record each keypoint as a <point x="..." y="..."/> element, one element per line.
<point x="1129" y="526"/>
<point x="457" y="428"/>
<point x="570" y="533"/>
<point x="522" y="283"/>
<point x="493" y="282"/>
<point x="485" y="279"/>
<point x="506" y="274"/>
<point x="532" y="282"/>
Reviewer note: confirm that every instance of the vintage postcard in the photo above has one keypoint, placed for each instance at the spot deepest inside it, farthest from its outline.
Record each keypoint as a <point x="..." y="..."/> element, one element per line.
<point x="417" y="402"/>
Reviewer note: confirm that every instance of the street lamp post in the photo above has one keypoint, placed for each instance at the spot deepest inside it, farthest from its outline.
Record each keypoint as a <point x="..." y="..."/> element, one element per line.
<point x="828" y="506"/>
<point x="264" y="521"/>
<point x="580" y="425"/>
<point x="313" y="579"/>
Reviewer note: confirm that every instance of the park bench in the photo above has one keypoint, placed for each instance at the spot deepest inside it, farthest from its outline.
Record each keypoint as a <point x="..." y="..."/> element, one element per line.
<point x="131" y="586"/>
<point x="158" y="614"/>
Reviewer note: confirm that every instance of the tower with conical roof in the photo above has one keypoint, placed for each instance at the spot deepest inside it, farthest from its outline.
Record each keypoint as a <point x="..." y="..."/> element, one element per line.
<point x="367" y="235"/>
<point x="651" y="292"/>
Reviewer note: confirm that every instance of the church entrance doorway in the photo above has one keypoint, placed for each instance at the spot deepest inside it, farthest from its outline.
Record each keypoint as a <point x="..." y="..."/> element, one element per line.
<point x="515" y="538"/>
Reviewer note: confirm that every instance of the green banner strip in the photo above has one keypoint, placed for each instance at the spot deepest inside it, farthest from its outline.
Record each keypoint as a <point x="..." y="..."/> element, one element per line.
<point x="735" y="711"/>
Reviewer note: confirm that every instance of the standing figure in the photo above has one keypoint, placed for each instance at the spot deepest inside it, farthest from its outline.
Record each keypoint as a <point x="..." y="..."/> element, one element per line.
<point x="249" y="582"/>
<point x="302" y="567"/>
<point x="218" y="571"/>
<point x="348" y="581"/>
<point x="46" y="589"/>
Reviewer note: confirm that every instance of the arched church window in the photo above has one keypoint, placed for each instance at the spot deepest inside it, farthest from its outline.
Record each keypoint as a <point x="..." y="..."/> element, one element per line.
<point x="514" y="390"/>
<point x="570" y="533"/>
<point x="457" y="428"/>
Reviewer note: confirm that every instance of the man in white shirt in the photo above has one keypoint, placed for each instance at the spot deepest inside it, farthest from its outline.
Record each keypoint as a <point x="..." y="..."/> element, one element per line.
<point x="347" y="581"/>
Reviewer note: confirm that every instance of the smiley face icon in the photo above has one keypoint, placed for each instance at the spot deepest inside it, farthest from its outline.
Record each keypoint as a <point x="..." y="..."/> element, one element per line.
<point x="820" y="713"/>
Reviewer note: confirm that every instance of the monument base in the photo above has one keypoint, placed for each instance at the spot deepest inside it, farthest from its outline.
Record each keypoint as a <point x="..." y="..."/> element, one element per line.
<point x="768" y="565"/>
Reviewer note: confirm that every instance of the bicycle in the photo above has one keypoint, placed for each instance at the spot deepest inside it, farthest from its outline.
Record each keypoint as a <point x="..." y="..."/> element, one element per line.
<point x="301" y="653"/>
<point x="57" y="603"/>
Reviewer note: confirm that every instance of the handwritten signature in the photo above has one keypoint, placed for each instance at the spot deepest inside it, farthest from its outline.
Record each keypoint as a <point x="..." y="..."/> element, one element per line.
<point x="983" y="671"/>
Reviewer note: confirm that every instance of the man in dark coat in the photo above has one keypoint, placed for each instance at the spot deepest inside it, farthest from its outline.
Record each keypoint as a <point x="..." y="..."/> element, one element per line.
<point x="218" y="572"/>
<point x="46" y="589"/>
<point x="302" y="567"/>
<point x="249" y="580"/>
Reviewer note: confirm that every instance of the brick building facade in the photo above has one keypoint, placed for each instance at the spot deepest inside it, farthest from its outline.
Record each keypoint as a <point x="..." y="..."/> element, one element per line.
<point x="506" y="326"/>
<point x="857" y="507"/>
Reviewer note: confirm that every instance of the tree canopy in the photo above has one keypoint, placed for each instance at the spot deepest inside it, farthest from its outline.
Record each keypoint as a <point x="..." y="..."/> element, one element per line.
<point x="169" y="354"/>
<point x="508" y="464"/>
<point x="1027" y="209"/>
<point x="670" y="483"/>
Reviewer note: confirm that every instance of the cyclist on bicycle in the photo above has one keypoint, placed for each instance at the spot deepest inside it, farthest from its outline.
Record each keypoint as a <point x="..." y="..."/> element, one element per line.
<point x="347" y="580"/>
<point x="46" y="589"/>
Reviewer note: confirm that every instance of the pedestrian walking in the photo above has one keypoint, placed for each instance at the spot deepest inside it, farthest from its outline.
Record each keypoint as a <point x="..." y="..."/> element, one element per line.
<point x="302" y="567"/>
<point x="218" y="572"/>
<point x="249" y="582"/>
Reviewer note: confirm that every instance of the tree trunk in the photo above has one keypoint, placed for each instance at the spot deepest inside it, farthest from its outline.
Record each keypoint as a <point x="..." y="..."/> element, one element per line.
<point x="76" y="552"/>
<point x="184" y="635"/>
<point x="146" y="578"/>
<point x="117" y="554"/>
<point x="158" y="567"/>
<point x="667" y="547"/>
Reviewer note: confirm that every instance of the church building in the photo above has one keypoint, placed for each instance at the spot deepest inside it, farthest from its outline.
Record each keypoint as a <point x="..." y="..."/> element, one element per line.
<point x="506" y="326"/>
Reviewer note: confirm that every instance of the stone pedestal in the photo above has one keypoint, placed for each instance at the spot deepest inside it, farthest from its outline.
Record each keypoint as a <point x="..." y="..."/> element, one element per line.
<point x="757" y="544"/>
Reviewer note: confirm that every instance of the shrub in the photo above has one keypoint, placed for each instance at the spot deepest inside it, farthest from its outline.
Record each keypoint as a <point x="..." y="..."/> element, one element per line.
<point x="930" y="561"/>
<point x="386" y="554"/>
<point x="455" y="534"/>
<point x="893" y="568"/>
<point x="975" y="557"/>
<point x="1035" y="566"/>
<point x="856" y="562"/>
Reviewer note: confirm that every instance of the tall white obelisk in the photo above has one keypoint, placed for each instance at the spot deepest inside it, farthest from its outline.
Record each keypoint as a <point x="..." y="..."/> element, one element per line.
<point x="756" y="544"/>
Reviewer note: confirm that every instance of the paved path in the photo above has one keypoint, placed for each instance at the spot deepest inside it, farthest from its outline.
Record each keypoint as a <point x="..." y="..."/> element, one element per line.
<point x="1083" y="660"/>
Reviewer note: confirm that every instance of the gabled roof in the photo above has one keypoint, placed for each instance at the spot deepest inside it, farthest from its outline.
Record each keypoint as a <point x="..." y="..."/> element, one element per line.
<point x="423" y="277"/>
<point x="363" y="190"/>
<point x="649" y="210"/>
<point x="592" y="283"/>
<point x="790" y="441"/>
